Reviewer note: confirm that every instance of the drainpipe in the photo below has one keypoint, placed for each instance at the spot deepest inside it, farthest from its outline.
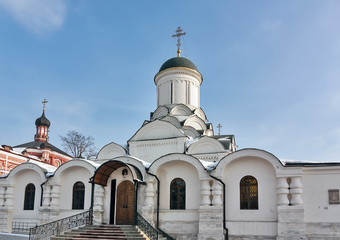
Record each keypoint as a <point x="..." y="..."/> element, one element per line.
<point x="224" y="225"/>
<point x="135" y="200"/>
<point x="92" y="199"/>
<point x="42" y="192"/>
<point x="157" y="222"/>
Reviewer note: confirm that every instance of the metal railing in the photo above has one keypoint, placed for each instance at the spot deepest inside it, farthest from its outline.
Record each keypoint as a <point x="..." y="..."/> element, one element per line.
<point x="21" y="227"/>
<point x="168" y="237"/>
<point x="59" y="226"/>
<point x="149" y="230"/>
<point x="146" y="227"/>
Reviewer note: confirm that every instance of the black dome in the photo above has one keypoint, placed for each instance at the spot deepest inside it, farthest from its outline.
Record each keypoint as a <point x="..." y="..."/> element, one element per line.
<point x="42" y="121"/>
<point x="178" y="62"/>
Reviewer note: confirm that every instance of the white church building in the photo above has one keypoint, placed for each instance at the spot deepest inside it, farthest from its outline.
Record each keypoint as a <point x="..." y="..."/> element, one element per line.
<point x="182" y="178"/>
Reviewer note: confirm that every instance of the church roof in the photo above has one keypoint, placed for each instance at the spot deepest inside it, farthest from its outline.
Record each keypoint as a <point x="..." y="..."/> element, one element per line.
<point x="178" y="62"/>
<point x="42" y="121"/>
<point x="41" y="145"/>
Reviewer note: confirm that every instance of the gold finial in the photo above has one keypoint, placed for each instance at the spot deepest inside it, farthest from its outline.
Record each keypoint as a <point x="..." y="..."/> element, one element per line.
<point x="178" y="35"/>
<point x="44" y="103"/>
<point x="219" y="126"/>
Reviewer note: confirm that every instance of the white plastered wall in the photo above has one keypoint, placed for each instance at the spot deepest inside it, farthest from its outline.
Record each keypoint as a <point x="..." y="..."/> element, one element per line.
<point x="251" y="222"/>
<point x="183" y="222"/>
<point x="316" y="182"/>
<point x="67" y="178"/>
<point x="20" y="181"/>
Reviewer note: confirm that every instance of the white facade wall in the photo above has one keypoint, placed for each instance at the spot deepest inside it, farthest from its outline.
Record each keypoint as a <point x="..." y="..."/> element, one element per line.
<point x="251" y="222"/>
<point x="21" y="180"/>
<point x="66" y="181"/>
<point x="150" y="150"/>
<point x="182" y="223"/>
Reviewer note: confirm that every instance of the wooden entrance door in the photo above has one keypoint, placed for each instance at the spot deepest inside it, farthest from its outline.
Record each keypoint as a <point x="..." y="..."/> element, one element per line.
<point x="125" y="203"/>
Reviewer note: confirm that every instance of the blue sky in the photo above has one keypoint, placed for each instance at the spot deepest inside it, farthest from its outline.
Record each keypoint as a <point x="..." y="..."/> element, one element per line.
<point x="271" y="69"/>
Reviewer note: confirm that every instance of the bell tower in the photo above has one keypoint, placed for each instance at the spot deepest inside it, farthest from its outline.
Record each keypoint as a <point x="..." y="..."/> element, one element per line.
<point x="42" y="124"/>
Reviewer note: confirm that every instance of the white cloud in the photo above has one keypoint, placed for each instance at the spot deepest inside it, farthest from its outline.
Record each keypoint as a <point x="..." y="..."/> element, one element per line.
<point x="38" y="16"/>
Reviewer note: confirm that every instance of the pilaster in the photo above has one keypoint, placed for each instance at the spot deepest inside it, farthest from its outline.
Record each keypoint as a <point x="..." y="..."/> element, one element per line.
<point x="149" y="201"/>
<point x="98" y="203"/>
<point x="291" y="225"/>
<point x="210" y="213"/>
<point x="54" y="205"/>
<point x="6" y="208"/>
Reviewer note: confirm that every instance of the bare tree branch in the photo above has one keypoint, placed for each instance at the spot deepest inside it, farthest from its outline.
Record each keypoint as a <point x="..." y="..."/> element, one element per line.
<point x="78" y="145"/>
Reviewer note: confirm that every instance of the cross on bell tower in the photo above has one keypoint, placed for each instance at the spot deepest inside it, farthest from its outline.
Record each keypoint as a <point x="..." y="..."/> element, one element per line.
<point x="219" y="126"/>
<point x="178" y="34"/>
<point x="44" y="103"/>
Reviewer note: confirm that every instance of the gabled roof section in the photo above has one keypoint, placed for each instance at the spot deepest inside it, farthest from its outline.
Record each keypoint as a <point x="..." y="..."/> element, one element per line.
<point x="196" y="123"/>
<point x="228" y="141"/>
<point x="157" y="129"/>
<point x="191" y="132"/>
<point x="173" y="120"/>
<point x="181" y="110"/>
<point x="37" y="145"/>
<point x="206" y="145"/>
<point x="200" y="113"/>
<point x="160" y="112"/>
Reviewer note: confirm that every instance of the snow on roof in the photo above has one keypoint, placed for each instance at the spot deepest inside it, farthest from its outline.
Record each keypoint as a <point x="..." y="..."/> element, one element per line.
<point x="19" y="149"/>
<point x="288" y="161"/>
<point x="190" y="141"/>
<point x="93" y="163"/>
<point x="146" y="164"/>
<point x="49" y="168"/>
<point x="208" y="165"/>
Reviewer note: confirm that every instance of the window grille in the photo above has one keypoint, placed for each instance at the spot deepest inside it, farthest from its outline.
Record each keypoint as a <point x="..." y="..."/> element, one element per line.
<point x="248" y="193"/>
<point x="177" y="194"/>
<point x="78" y="195"/>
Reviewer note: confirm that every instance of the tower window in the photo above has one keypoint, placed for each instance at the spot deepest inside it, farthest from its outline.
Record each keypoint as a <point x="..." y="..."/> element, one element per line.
<point x="248" y="193"/>
<point x="29" y="197"/>
<point x="78" y="195"/>
<point x="177" y="194"/>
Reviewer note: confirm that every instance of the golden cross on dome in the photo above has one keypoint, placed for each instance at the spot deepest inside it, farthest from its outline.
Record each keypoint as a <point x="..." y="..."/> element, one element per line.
<point x="178" y="35"/>
<point x="44" y="103"/>
<point x="219" y="126"/>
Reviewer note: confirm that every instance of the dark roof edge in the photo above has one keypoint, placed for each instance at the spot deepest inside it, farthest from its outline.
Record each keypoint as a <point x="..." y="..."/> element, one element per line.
<point x="311" y="164"/>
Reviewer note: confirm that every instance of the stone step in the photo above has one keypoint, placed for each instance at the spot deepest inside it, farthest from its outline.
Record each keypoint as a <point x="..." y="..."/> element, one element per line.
<point x="102" y="232"/>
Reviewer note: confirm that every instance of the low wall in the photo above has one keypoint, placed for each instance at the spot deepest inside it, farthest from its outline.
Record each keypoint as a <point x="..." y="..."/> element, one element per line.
<point x="11" y="236"/>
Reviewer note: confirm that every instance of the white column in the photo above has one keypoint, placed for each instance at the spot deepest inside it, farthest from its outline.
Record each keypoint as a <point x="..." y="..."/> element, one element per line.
<point x="205" y="192"/>
<point x="217" y="193"/>
<point x="296" y="191"/>
<point x="282" y="191"/>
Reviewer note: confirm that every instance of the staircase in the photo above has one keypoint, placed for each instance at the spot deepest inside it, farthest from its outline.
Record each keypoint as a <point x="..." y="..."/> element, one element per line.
<point x="102" y="232"/>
